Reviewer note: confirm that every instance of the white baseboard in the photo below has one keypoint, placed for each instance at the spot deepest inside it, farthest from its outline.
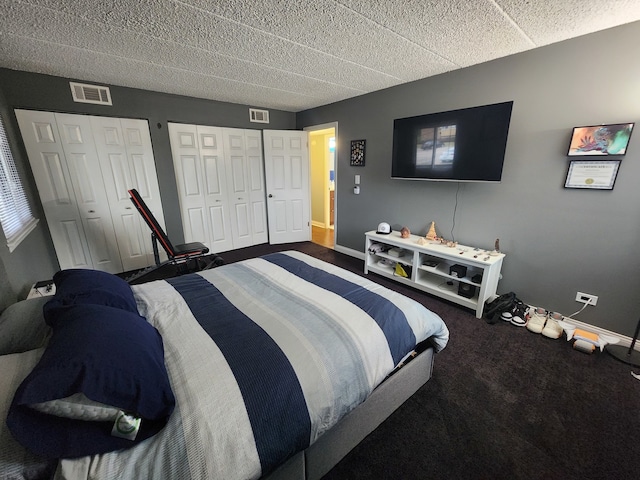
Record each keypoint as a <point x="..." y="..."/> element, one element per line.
<point x="349" y="251"/>
<point x="623" y="340"/>
<point x="315" y="223"/>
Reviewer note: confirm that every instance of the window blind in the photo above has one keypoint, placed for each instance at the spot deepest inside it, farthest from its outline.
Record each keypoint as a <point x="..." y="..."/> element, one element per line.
<point x="15" y="214"/>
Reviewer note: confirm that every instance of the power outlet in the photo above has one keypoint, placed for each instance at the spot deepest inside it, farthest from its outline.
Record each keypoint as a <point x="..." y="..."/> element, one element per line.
<point x="587" y="298"/>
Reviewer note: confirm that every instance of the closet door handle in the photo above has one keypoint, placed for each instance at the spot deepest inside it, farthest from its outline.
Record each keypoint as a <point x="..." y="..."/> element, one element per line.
<point x="92" y="211"/>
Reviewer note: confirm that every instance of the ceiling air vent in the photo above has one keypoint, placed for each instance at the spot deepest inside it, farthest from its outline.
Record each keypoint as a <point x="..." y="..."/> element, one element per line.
<point x="258" y="116"/>
<point x="90" y="93"/>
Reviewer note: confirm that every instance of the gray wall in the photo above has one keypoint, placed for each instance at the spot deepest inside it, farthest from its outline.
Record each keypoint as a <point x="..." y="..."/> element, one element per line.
<point x="557" y="241"/>
<point x="35" y="258"/>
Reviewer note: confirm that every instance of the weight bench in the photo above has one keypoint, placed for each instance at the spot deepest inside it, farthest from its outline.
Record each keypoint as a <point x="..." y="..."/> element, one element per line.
<point x="181" y="255"/>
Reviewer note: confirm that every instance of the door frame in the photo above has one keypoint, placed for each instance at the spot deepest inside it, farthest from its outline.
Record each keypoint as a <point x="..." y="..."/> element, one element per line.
<point x="324" y="126"/>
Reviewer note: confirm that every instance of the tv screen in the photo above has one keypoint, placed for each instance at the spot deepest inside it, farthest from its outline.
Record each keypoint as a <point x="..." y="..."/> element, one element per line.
<point x="464" y="145"/>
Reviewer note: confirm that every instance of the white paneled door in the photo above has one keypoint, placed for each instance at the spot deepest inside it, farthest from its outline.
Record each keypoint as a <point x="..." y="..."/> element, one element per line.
<point x="245" y="178"/>
<point x="220" y="178"/>
<point x="126" y="161"/>
<point x="49" y="166"/>
<point x="201" y="177"/>
<point x="228" y="187"/>
<point x="82" y="165"/>
<point x="286" y="158"/>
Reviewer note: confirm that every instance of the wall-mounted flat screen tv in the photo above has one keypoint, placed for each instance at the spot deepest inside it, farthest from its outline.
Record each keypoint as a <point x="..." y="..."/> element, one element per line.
<point x="600" y="140"/>
<point x="466" y="145"/>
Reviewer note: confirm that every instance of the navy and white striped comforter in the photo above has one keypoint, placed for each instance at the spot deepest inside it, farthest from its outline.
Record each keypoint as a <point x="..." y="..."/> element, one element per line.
<point x="292" y="344"/>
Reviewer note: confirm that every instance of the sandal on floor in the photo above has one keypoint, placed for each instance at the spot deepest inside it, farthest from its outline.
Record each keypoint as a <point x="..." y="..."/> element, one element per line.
<point x="553" y="329"/>
<point x="537" y="321"/>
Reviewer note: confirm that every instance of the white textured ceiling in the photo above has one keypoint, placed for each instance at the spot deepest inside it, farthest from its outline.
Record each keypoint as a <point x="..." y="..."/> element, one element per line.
<point x="283" y="54"/>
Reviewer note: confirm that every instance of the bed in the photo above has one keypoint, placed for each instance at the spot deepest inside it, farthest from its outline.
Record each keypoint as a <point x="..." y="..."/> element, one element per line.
<point x="273" y="367"/>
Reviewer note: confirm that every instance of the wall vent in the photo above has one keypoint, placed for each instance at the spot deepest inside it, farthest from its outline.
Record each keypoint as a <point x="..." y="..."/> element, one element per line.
<point x="84" y="93"/>
<point x="258" y="116"/>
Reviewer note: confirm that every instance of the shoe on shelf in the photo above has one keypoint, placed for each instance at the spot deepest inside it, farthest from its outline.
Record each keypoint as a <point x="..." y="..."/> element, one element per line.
<point x="520" y="315"/>
<point x="553" y="329"/>
<point x="537" y="321"/>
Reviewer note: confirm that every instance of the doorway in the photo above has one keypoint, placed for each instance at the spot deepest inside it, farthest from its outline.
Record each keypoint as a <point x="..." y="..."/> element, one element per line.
<point x="322" y="175"/>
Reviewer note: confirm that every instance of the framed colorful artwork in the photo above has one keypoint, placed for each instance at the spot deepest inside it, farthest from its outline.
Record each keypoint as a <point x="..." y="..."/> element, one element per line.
<point x="610" y="139"/>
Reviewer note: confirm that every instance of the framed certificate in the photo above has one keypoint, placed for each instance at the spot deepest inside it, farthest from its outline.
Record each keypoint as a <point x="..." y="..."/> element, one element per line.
<point x="592" y="174"/>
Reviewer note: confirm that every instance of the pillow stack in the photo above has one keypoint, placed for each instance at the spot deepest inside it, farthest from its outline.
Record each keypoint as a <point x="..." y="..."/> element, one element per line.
<point x="104" y="363"/>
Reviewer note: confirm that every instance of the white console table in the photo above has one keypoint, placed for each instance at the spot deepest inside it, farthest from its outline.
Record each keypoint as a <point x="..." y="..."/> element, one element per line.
<point x="430" y="268"/>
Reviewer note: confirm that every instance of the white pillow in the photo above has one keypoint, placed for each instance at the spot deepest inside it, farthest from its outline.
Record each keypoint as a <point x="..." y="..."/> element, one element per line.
<point x="78" y="407"/>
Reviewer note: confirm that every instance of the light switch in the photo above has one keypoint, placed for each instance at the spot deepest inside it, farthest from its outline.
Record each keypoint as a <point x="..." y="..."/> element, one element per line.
<point x="357" y="180"/>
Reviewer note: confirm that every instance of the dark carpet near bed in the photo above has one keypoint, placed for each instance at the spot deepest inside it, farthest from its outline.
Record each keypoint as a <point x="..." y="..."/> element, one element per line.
<point x="503" y="403"/>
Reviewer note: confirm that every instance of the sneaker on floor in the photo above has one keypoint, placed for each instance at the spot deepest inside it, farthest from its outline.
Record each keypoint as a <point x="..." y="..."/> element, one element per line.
<point x="506" y="316"/>
<point x="553" y="329"/>
<point x="537" y="321"/>
<point x="520" y="315"/>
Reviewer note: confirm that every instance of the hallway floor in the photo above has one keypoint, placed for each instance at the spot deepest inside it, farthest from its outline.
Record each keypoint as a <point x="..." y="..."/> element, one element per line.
<point x="322" y="236"/>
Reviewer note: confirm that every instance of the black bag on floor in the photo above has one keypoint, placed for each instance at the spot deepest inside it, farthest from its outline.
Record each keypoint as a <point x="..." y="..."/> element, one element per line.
<point x="503" y="303"/>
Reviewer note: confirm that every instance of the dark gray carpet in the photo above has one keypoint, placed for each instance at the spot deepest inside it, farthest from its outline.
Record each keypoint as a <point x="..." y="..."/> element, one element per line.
<point x="503" y="403"/>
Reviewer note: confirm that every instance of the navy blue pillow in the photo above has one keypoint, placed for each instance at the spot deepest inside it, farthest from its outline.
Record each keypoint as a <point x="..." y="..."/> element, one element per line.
<point x="112" y="356"/>
<point x="76" y="285"/>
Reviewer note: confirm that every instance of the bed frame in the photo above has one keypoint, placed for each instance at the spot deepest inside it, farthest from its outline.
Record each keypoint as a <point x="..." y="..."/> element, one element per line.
<point x="316" y="461"/>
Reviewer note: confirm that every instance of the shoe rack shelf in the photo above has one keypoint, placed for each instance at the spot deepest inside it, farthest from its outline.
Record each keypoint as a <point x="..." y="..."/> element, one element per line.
<point x="430" y="268"/>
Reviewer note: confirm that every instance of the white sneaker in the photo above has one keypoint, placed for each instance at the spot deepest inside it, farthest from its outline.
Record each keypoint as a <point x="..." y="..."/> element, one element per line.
<point x="506" y="316"/>
<point x="537" y="321"/>
<point x="553" y="329"/>
<point x="520" y="315"/>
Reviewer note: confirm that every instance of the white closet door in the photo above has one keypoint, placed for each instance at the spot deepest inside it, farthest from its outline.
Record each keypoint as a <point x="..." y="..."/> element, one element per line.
<point x="220" y="179"/>
<point x="84" y="167"/>
<point x="202" y="185"/>
<point x="286" y="160"/>
<point x="188" y="169"/>
<point x="238" y="180"/>
<point x="215" y="188"/>
<point x="48" y="164"/>
<point x="126" y="161"/>
<point x="257" y="192"/>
